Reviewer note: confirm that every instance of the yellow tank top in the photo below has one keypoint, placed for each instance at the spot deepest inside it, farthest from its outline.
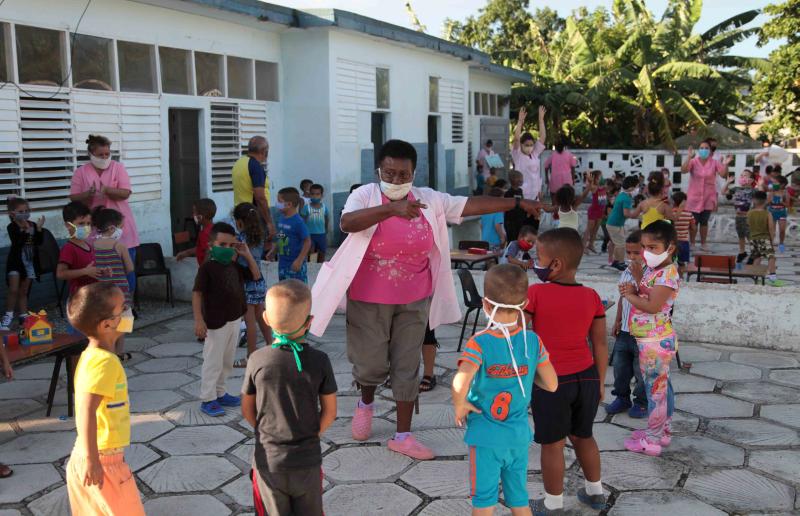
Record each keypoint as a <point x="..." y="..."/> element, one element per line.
<point x="651" y="216"/>
<point x="242" y="184"/>
<point x="568" y="219"/>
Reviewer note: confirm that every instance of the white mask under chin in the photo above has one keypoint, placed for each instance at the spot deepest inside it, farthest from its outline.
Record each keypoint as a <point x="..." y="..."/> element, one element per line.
<point x="504" y="329"/>
<point x="396" y="192"/>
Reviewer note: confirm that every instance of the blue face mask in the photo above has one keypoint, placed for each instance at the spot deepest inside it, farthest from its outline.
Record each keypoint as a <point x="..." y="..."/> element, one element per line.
<point x="315" y="201"/>
<point x="543" y="273"/>
<point x="704" y="153"/>
<point x="82" y="232"/>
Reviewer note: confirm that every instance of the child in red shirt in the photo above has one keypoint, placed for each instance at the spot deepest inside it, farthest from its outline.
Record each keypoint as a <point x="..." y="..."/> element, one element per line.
<point x="564" y="314"/>
<point x="203" y="212"/>
<point x="76" y="259"/>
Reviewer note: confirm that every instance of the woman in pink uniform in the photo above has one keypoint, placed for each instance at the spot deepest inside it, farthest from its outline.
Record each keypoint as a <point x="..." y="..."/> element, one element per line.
<point x="702" y="192"/>
<point x="393" y="275"/>
<point x="105" y="182"/>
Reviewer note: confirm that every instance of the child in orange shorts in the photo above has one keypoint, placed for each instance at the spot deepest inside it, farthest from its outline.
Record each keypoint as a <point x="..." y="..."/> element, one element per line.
<point x="98" y="479"/>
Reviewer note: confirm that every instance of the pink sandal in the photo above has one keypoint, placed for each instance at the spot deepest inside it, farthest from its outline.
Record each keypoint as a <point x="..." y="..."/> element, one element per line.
<point x="411" y="448"/>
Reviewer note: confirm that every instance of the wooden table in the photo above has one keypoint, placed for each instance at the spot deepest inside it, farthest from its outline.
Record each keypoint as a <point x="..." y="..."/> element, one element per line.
<point x="754" y="272"/>
<point x="458" y="257"/>
<point x="64" y="347"/>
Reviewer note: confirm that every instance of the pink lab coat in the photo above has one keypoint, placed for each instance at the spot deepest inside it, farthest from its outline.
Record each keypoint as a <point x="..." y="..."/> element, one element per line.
<point x="702" y="192"/>
<point x="330" y="288"/>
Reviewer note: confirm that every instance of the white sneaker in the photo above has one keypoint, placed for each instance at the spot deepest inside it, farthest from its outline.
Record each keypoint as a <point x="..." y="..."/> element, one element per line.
<point x="6" y="322"/>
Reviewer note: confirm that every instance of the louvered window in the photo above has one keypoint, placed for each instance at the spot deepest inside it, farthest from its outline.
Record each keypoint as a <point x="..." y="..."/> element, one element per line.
<point x="225" y="148"/>
<point x="10" y="179"/>
<point x="48" y="155"/>
<point x="458" y="127"/>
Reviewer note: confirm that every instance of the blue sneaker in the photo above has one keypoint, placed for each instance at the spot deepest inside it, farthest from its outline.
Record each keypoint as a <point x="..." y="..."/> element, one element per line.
<point x="637" y="411"/>
<point x="781" y="248"/>
<point x="212" y="408"/>
<point x="226" y="400"/>
<point x="618" y="405"/>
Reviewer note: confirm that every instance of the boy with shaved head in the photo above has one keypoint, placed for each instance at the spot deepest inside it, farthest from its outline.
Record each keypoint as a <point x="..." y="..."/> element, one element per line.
<point x="284" y="387"/>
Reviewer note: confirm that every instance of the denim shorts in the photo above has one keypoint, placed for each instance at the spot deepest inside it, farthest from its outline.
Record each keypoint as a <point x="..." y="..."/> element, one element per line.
<point x="684" y="252"/>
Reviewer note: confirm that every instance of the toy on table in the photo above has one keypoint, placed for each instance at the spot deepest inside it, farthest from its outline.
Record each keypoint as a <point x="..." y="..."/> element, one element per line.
<point x="36" y="330"/>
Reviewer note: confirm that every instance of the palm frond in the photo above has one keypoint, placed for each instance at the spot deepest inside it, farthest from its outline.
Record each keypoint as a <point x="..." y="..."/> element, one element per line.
<point x="677" y="70"/>
<point x="733" y="22"/>
<point x="748" y="63"/>
<point x="680" y="105"/>
<point x="728" y="39"/>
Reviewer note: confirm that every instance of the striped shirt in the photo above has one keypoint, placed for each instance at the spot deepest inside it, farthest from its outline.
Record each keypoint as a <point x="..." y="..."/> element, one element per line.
<point x="626" y="277"/>
<point x="684" y="222"/>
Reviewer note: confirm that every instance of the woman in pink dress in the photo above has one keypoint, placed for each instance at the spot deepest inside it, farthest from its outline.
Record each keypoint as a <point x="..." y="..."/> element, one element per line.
<point x="702" y="192"/>
<point x="393" y="275"/>
<point x="105" y="182"/>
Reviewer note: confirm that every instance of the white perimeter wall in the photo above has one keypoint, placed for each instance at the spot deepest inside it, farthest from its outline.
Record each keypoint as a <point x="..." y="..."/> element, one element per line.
<point x="409" y="70"/>
<point x="150" y="24"/>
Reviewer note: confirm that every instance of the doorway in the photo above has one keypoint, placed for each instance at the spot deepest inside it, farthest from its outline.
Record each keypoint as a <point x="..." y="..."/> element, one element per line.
<point x="377" y="134"/>
<point x="433" y="142"/>
<point x="184" y="165"/>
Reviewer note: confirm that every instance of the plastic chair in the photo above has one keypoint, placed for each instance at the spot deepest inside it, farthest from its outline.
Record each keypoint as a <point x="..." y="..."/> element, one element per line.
<point x="48" y="262"/>
<point x="150" y="262"/>
<point x="472" y="300"/>
<point x="715" y="262"/>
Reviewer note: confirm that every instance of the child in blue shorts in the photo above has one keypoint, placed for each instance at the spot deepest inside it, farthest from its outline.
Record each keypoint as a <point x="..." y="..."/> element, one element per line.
<point x="293" y="240"/>
<point x="492" y="391"/>
<point x="315" y="213"/>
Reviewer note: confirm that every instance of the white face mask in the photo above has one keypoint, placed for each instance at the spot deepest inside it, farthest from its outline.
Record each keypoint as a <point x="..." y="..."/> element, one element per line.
<point x="654" y="260"/>
<point x="503" y="328"/>
<point x="116" y="234"/>
<point x="396" y="192"/>
<point x="100" y="163"/>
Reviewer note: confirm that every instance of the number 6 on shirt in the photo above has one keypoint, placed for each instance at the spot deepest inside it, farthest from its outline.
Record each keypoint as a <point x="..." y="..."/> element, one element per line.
<point x="500" y="406"/>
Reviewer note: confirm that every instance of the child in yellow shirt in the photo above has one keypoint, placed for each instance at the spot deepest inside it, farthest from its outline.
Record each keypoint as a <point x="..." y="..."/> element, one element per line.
<point x="98" y="479"/>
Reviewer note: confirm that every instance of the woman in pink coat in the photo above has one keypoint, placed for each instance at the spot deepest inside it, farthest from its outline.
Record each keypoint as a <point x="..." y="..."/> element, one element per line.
<point x="701" y="196"/>
<point x="393" y="274"/>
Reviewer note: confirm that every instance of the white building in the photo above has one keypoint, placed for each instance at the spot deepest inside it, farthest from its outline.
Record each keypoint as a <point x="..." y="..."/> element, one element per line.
<point x="179" y="86"/>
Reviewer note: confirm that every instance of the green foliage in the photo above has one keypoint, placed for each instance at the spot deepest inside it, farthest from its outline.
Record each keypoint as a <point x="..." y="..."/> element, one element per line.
<point x="778" y="90"/>
<point x="623" y="77"/>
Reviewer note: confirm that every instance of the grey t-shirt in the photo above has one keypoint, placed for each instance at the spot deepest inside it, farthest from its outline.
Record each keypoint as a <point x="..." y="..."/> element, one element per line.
<point x="287" y="406"/>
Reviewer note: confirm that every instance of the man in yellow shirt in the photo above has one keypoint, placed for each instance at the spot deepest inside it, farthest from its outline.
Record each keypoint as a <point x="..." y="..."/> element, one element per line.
<point x="250" y="181"/>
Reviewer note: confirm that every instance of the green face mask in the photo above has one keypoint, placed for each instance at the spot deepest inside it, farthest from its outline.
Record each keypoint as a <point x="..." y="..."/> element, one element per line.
<point x="223" y="255"/>
<point x="285" y="340"/>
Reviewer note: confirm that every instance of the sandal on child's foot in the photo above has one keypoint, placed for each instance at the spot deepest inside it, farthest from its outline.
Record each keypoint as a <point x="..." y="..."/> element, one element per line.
<point x="427" y="383"/>
<point x="642" y="445"/>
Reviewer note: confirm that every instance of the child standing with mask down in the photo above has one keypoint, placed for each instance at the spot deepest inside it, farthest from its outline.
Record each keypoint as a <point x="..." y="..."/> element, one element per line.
<point x="218" y="303"/>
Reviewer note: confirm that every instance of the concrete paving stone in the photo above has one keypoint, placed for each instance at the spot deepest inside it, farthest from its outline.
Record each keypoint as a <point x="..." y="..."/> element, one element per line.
<point x="146" y="427"/>
<point x="740" y="490"/>
<point x="233" y="386"/>
<point x="138" y="456"/>
<point x="572" y="506"/>
<point x="787" y="376"/>
<point x="170" y="475"/>
<point x="761" y="392"/>
<point x="175" y="336"/>
<point x="431" y="415"/>
<point x="181" y="324"/>
<point x="339" y="432"/>
<point x="176" y="349"/>
<point x="636" y="504"/>
<point x="54" y="503"/>
<point x="438" y="395"/>
<point x="781" y="463"/>
<point x="369" y="499"/>
<point x="726" y="371"/>
<point x="163" y="365"/>
<point x="186" y="505"/>
<point x="445" y="442"/>
<point x="7" y="432"/>
<point x="35" y="448"/>
<point x="240" y="491"/>
<point x="788" y="414"/>
<point x="457" y="507"/>
<point x="10" y="512"/>
<point x="682" y="382"/>
<point x="38" y="422"/>
<point x="535" y="457"/>
<point x="236" y="372"/>
<point x="346" y="406"/>
<point x="153" y="401"/>
<point x="138" y="343"/>
<point x="628" y="471"/>
<point x="344" y="383"/>
<point x="610" y="437"/>
<point x="244" y="452"/>
<point x="713" y="405"/>
<point x="764" y="359"/>
<point x="37" y="371"/>
<point x="158" y="381"/>
<point x="681" y="423"/>
<point x="752" y="432"/>
<point x="23" y="389"/>
<point x="14" y="409"/>
<point x="702" y="450"/>
<point x="440" y="478"/>
<point x="364" y="463"/>
<point x="198" y="440"/>
<point x="693" y="354"/>
<point x="189" y="414"/>
<point x="27" y="480"/>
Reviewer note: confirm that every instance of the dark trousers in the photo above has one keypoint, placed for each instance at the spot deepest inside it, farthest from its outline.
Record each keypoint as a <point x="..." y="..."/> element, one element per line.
<point x="290" y="493"/>
<point x="626" y="366"/>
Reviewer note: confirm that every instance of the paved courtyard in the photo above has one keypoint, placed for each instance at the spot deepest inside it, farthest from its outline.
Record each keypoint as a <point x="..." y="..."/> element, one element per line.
<point x="737" y="449"/>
